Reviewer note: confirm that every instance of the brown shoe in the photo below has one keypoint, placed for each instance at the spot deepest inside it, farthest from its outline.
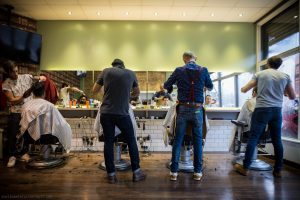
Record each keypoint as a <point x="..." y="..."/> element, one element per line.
<point x="112" y="179"/>
<point x="138" y="176"/>
<point x="241" y="170"/>
<point x="277" y="174"/>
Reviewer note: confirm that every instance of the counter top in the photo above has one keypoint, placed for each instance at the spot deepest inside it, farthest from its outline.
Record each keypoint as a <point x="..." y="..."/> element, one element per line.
<point x="215" y="109"/>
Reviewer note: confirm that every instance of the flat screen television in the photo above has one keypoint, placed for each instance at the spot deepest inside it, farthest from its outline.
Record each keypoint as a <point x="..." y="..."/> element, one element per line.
<point x="20" y="46"/>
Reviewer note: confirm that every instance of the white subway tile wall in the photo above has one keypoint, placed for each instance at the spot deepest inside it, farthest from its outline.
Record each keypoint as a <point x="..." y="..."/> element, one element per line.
<point x="218" y="138"/>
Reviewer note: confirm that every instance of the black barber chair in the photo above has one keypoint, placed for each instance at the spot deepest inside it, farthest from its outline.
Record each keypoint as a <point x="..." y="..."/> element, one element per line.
<point x="186" y="163"/>
<point x="44" y="159"/>
<point x="241" y="140"/>
<point x="120" y="164"/>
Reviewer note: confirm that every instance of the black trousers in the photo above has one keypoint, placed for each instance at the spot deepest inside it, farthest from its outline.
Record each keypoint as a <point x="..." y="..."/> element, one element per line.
<point x="16" y="147"/>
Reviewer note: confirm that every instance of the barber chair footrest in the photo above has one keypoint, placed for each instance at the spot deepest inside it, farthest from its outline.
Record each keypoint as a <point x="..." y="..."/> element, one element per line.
<point x="256" y="165"/>
<point x="120" y="165"/>
<point x="187" y="166"/>
<point x="40" y="163"/>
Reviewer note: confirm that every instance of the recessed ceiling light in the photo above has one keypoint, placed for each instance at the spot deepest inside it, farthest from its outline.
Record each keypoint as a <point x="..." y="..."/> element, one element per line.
<point x="241" y="15"/>
<point x="212" y="14"/>
<point x="155" y="13"/>
<point x="295" y="16"/>
<point x="98" y="13"/>
<point x="127" y="13"/>
<point x="69" y="13"/>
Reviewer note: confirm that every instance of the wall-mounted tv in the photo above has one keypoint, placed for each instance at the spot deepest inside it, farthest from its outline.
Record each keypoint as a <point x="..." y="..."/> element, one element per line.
<point x="20" y="46"/>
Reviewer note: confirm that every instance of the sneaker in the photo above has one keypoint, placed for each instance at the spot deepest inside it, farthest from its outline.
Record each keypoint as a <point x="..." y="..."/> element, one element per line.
<point x="277" y="174"/>
<point x="173" y="176"/>
<point x="197" y="176"/>
<point x="112" y="179"/>
<point x="25" y="158"/>
<point x="138" y="176"/>
<point x="11" y="161"/>
<point x="241" y="170"/>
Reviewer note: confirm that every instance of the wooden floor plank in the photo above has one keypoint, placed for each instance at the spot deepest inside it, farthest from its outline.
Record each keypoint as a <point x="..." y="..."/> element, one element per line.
<point x="81" y="178"/>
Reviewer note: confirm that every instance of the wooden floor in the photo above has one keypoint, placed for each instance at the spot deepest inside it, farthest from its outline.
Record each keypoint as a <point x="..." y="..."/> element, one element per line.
<point x="80" y="178"/>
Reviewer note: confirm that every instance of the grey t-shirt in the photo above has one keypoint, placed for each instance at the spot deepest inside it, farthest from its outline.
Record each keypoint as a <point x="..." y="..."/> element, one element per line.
<point x="117" y="84"/>
<point x="271" y="84"/>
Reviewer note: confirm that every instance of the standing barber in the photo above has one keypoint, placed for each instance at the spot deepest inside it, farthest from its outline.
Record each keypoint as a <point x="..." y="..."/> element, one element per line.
<point x="190" y="80"/>
<point x="118" y="83"/>
<point x="272" y="85"/>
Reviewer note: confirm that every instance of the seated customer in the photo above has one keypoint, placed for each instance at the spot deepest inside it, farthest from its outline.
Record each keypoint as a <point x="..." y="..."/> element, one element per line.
<point x="161" y="94"/>
<point x="82" y="99"/>
<point x="40" y="117"/>
<point x="209" y="102"/>
<point x="247" y="110"/>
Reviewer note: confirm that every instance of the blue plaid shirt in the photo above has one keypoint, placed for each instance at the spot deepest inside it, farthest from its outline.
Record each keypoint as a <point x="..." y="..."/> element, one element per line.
<point x="181" y="77"/>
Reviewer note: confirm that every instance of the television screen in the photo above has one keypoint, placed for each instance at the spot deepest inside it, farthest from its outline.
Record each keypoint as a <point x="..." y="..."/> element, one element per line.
<point x="19" y="45"/>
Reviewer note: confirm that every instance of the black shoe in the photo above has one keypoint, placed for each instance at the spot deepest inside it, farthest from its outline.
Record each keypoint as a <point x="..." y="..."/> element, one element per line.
<point x="112" y="179"/>
<point x="139" y="176"/>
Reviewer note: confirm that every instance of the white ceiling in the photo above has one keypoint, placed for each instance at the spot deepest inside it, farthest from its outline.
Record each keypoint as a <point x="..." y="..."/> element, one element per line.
<point x="155" y="10"/>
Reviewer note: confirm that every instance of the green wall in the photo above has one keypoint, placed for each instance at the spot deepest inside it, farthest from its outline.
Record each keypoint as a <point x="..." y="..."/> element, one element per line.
<point x="146" y="45"/>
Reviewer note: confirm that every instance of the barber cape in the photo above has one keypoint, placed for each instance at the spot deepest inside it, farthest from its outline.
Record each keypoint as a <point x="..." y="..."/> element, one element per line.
<point x="98" y="127"/>
<point x="40" y="117"/>
<point x="246" y="113"/>
<point x="170" y="125"/>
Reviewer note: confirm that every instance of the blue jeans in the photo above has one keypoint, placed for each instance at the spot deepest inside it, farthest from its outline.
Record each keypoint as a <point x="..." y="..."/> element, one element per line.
<point x="123" y="122"/>
<point x="260" y="118"/>
<point x="193" y="116"/>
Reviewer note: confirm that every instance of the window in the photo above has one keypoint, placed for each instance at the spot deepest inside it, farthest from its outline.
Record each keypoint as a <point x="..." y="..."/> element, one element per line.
<point x="280" y="36"/>
<point x="228" y="92"/>
<point x="281" y="33"/>
<point x="290" y="66"/>
<point x="243" y="79"/>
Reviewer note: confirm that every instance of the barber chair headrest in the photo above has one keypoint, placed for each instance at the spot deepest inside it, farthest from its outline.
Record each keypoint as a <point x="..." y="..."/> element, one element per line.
<point x="118" y="138"/>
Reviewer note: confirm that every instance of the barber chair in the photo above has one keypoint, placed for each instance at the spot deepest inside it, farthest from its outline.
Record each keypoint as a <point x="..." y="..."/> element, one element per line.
<point x="186" y="163"/>
<point x="120" y="164"/>
<point x="45" y="160"/>
<point x="241" y="140"/>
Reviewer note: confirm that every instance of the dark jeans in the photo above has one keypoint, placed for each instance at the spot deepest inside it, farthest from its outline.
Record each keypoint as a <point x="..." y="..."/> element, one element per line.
<point x="260" y="118"/>
<point x="123" y="122"/>
<point x="13" y="129"/>
<point x="15" y="146"/>
<point x="194" y="116"/>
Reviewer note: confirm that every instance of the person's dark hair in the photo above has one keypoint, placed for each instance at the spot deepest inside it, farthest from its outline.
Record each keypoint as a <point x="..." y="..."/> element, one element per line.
<point x="8" y="66"/>
<point x="208" y="95"/>
<point x="38" y="89"/>
<point x="81" y="96"/>
<point x="274" y="62"/>
<point x="64" y="85"/>
<point x="118" y="63"/>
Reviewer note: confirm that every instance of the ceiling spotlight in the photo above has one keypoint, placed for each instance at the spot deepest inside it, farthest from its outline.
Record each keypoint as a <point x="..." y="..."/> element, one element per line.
<point x="212" y="14"/>
<point x="98" y="13"/>
<point x="69" y="13"/>
<point x="155" y="13"/>
<point x="295" y="17"/>
<point x="241" y="15"/>
<point x="127" y="13"/>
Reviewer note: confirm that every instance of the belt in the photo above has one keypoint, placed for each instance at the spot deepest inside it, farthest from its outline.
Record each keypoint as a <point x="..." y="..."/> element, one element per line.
<point x="191" y="104"/>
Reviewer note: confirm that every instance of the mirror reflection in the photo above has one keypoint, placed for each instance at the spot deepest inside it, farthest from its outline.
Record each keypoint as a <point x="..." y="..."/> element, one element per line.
<point x="226" y="91"/>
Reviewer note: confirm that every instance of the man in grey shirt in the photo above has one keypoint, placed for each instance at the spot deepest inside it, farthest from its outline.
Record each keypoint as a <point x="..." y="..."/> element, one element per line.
<point x="271" y="86"/>
<point x="118" y="83"/>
